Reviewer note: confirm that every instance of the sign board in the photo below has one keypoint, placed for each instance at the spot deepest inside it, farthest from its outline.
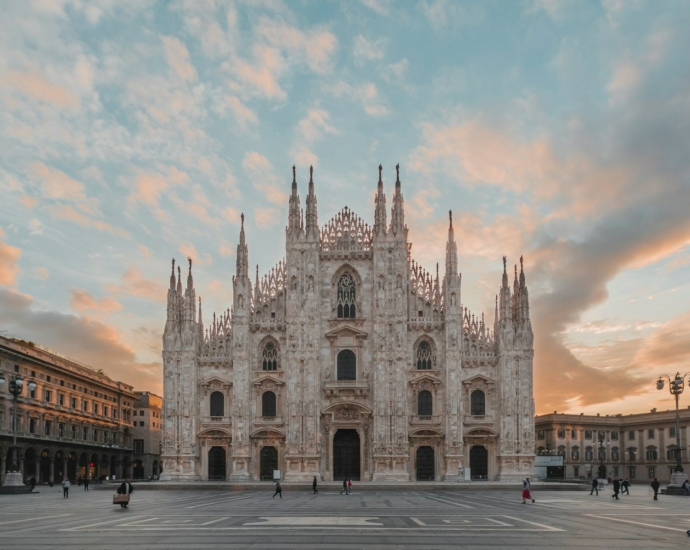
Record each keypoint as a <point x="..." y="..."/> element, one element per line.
<point x="542" y="464"/>
<point x="276" y="475"/>
<point x="468" y="474"/>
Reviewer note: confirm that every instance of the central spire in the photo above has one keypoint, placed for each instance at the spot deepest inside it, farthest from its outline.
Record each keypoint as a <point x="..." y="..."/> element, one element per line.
<point x="242" y="254"/>
<point x="451" y="250"/>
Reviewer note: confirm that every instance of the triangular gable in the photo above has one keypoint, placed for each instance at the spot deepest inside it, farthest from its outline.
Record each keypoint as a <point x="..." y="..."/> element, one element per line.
<point x="346" y="331"/>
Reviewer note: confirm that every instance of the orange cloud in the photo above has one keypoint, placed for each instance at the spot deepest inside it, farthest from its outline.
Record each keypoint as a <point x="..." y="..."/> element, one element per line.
<point x="135" y="284"/>
<point x="8" y="262"/>
<point x="69" y="213"/>
<point x="37" y="86"/>
<point x="178" y="58"/>
<point x="81" y="301"/>
<point x="266" y="217"/>
<point x="58" y="185"/>
<point x="190" y="252"/>
<point x="148" y="186"/>
<point x="243" y="114"/>
<point x="262" y="74"/>
<point x="260" y="173"/>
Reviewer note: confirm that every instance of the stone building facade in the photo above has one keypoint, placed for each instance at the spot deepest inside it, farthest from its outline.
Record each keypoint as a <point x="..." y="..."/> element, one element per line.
<point x="147" y="430"/>
<point x="76" y="423"/>
<point x="348" y="359"/>
<point x="637" y="446"/>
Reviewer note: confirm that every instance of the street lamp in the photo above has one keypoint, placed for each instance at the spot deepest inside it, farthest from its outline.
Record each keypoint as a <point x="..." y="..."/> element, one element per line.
<point x="602" y="471"/>
<point x="676" y="387"/>
<point x="16" y="385"/>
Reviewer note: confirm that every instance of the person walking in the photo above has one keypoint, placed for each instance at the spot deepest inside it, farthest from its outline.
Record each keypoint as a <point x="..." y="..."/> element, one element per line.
<point x="65" y="488"/>
<point x="526" y="494"/>
<point x="686" y="488"/>
<point x="313" y="486"/>
<point x="32" y="482"/>
<point x="344" y="487"/>
<point x="349" y="486"/>
<point x="279" y="490"/>
<point x="626" y="486"/>
<point x="125" y="488"/>
<point x="655" y="487"/>
<point x="595" y="486"/>
<point x="86" y="484"/>
<point x="616" y="488"/>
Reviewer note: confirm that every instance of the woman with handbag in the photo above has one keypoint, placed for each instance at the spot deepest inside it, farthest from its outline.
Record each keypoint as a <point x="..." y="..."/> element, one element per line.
<point x="125" y="489"/>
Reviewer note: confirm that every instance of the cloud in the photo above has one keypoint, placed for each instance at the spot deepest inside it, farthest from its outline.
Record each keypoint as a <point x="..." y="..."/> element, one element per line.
<point x="9" y="255"/>
<point x="262" y="73"/>
<point x="366" y="94"/>
<point x="148" y="186"/>
<point x="243" y="114"/>
<point x="315" y="125"/>
<point x="57" y="185"/>
<point x="382" y="7"/>
<point x="190" y="252"/>
<point x="39" y="272"/>
<point x="226" y="250"/>
<point x="260" y="173"/>
<point x="448" y="13"/>
<point x="35" y="227"/>
<point x="69" y="213"/>
<point x="231" y="214"/>
<point x="178" y="58"/>
<point x="28" y="202"/>
<point x="82" y="301"/>
<point x="365" y="50"/>
<point x="303" y="156"/>
<point x="134" y="283"/>
<point x="396" y="71"/>
<point x="266" y="217"/>
<point x="36" y="86"/>
<point x="85" y="339"/>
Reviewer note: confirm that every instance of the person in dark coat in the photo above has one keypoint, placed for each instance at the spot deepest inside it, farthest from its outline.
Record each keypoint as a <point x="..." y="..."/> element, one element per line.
<point x="655" y="487"/>
<point x="86" y="484"/>
<point x="626" y="485"/>
<point x="313" y="486"/>
<point x="279" y="490"/>
<point x="32" y="482"/>
<point x="616" y="488"/>
<point x="125" y="488"/>
<point x="595" y="486"/>
<point x="344" y="487"/>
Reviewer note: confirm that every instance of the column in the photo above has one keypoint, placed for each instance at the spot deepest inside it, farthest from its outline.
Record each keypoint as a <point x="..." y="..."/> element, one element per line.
<point x="118" y="467"/>
<point x="64" y="470"/>
<point x="2" y="469"/>
<point x="37" y="469"/>
<point x="51" y="480"/>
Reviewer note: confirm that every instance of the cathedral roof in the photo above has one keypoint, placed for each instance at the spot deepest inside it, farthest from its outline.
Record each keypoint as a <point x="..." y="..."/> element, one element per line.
<point x="346" y="231"/>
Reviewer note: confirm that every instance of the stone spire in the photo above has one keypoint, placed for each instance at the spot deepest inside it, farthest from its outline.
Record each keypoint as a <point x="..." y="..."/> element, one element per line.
<point x="398" y="210"/>
<point x="451" y="250"/>
<point x="294" y="210"/>
<point x="505" y="305"/>
<point x="312" y="221"/>
<point x="380" y="211"/>
<point x="242" y="270"/>
<point x="172" y="276"/>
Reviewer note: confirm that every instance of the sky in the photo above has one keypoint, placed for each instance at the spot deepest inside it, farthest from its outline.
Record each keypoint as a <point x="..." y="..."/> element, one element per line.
<point x="132" y="132"/>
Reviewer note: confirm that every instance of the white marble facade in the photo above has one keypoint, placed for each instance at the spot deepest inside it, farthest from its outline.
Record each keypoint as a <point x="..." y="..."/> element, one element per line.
<point x="348" y="359"/>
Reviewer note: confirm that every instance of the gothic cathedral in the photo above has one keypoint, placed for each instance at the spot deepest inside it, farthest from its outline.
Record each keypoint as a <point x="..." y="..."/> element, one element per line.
<point x="348" y="360"/>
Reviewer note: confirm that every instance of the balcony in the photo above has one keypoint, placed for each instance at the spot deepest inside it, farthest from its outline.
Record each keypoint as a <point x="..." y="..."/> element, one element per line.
<point x="335" y="388"/>
<point x="417" y="420"/>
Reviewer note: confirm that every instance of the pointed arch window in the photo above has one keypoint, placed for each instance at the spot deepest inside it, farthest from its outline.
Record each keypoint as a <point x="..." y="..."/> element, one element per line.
<point x="268" y="404"/>
<point x="346" y="297"/>
<point x="217" y="404"/>
<point x="424" y="356"/>
<point x="347" y="365"/>
<point x="424" y="403"/>
<point x="478" y="402"/>
<point x="270" y="358"/>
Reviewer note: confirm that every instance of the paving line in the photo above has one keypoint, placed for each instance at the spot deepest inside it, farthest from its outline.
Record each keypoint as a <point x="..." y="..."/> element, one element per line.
<point x="450" y="502"/>
<point x="216" y="502"/>
<point x="34" y="519"/>
<point x="637" y="523"/>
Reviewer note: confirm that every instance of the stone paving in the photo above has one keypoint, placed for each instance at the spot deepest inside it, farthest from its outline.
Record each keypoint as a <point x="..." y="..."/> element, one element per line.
<point x="193" y="519"/>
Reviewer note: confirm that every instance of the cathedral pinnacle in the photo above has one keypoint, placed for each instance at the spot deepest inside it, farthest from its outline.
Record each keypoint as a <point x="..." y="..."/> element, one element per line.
<point x="294" y="177"/>
<point x="522" y="274"/>
<point x="172" y="276"/>
<point x="380" y="177"/>
<point x="311" y="174"/>
<point x="311" y="218"/>
<point x="397" y="175"/>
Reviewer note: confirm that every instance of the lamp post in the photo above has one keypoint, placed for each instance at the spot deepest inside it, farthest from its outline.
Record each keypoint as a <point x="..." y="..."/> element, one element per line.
<point x="16" y="385"/>
<point x="110" y="446"/>
<point x="676" y="387"/>
<point x="601" y="435"/>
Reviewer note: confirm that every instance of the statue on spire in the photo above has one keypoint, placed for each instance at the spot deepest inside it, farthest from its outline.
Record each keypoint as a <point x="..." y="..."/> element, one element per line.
<point x="294" y="174"/>
<point x="505" y="263"/>
<point x="311" y="174"/>
<point x="397" y="172"/>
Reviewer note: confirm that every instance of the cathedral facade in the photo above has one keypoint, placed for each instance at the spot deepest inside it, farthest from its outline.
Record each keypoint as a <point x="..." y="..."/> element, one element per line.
<point x="348" y="360"/>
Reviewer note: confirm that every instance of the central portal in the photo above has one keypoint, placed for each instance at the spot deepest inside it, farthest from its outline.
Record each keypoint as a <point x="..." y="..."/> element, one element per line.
<point x="346" y="455"/>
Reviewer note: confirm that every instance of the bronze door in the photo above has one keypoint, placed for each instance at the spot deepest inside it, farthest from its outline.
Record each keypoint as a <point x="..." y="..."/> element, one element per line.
<point x="479" y="462"/>
<point x="216" y="463"/>
<point x="425" y="464"/>
<point x="346" y="457"/>
<point x="269" y="462"/>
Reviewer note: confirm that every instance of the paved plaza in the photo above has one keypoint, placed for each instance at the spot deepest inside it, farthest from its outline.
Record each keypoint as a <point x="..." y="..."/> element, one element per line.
<point x="194" y="519"/>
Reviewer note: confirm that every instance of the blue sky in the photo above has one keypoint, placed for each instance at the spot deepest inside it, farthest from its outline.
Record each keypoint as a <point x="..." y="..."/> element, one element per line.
<point x="132" y="132"/>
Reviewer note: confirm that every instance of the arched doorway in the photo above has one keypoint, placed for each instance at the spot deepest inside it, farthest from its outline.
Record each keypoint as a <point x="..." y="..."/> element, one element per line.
<point x="72" y="467"/>
<point x="138" y="472"/>
<point x="425" y="464"/>
<point x="346" y="455"/>
<point x="216" y="463"/>
<point x="268" y="462"/>
<point x="83" y="464"/>
<point x="479" y="462"/>
<point x="602" y="471"/>
<point x="154" y="468"/>
<point x="103" y="473"/>
<point x="93" y="466"/>
<point x="113" y="466"/>
<point x="30" y="459"/>
<point x="59" y="467"/>
<point x="45" y="467"/>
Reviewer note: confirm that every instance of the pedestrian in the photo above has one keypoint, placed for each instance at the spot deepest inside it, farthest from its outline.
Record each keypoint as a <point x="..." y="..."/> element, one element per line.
<point x="349" y="486"/>
<point x="655" y="487"/>
<point x="125" y="488"/>
<point x="686" y="488"/>
<point x="32" y="482"/>
<point x="279" y="490"/>
<point x="65" y="488"/>
<point x="344" y="487"/>
<point x="86" y="484"/>
<point x="626" y="486"/>
<point x="526" y="494"/>
<point x="616" y="488"/>
<point x="79" y="481"/>
<point x="313" y="485"/>
<point x="595" y="486"/>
